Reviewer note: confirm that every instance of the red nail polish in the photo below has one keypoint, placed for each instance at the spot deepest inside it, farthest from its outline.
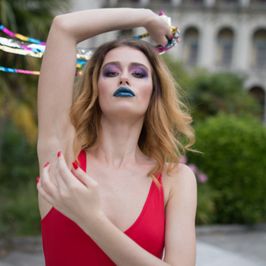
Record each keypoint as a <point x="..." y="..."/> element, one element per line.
<point x="37" y="179"/>
<point x="75" y="165"/>
<point x="59" y="154"/>
<point x="171" y="37"/>
<point x="46" y="164"/>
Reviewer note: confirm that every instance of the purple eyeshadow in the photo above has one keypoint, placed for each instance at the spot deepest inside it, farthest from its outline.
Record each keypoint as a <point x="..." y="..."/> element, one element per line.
<point x="139" y="72"/>
<point x="136" y="70"/>
<point x="110" y="70"/>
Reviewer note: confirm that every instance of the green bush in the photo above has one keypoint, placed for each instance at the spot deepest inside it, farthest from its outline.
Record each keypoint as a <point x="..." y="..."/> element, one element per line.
<point x="210" y="93"/>
<point x="18" y="160"/>
<point x="234" y="160"/>
<point x="18" y="195"/>
<point x="19" y="213"/>
<point x="205" y="204"/>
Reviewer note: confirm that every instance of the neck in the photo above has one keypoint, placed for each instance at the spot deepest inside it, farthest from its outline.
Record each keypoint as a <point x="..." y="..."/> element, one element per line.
<point x="117" y="144"/>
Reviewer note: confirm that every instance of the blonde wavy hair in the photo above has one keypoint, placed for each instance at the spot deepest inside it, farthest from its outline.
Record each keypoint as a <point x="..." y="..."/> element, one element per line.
<point x="166" y="133"/>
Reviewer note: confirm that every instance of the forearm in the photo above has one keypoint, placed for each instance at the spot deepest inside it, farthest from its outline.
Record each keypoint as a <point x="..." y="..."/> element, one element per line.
<point x="118" y="246"/>
<point x="84" y="24"/>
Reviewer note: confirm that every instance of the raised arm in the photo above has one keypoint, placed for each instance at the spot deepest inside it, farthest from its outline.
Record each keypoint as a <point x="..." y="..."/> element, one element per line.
<point x="56" y="81"/>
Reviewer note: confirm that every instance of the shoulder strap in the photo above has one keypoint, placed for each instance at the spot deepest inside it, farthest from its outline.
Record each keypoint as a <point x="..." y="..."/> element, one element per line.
<point x="82" y="159"/>
<point x="159" y="177"/>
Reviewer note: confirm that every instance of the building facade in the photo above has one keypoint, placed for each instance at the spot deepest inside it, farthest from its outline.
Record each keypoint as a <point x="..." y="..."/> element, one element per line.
<point x="220" y="35"/>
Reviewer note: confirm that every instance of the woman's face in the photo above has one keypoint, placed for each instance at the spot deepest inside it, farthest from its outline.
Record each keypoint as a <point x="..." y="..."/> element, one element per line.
<point x="125" y="83"/>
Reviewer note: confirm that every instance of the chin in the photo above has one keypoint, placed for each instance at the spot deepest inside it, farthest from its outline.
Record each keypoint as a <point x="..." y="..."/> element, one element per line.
<point x="124" y="112"/>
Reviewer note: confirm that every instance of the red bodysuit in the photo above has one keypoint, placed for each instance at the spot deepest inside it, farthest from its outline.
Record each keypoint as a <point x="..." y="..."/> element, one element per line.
<point x="66" y="244"/>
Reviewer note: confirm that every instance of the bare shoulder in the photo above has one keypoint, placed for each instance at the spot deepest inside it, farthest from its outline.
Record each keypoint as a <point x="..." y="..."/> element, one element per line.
<point x="179" y="181"/>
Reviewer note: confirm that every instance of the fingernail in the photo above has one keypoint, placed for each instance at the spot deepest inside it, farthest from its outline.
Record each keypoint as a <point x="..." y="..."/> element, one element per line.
<point x="160" y="48"/>
<point x="75" y="165"/>
<point x="170" y="37"/>
<point x="59" y="154"/>
<point x="161" y="13"/>
<point x="46" y="164"/>
<point x="37" y="179"/>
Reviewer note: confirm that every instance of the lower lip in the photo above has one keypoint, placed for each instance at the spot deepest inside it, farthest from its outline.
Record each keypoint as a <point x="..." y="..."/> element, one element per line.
<point x="124" y="94"/>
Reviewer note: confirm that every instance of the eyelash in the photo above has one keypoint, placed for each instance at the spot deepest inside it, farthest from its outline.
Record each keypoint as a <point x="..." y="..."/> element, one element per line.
<point x="110" y="74"/>
<point x="137" y="74"/>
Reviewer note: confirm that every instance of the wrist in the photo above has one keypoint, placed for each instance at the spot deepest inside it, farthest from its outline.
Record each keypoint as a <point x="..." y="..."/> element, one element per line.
<point x="149" y="17"/>
<point x="91" y="223"/>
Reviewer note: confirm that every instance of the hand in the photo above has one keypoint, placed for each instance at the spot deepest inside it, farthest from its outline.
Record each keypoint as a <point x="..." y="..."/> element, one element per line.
<point x="158" y="29"/>
<point x="73" y="193"/>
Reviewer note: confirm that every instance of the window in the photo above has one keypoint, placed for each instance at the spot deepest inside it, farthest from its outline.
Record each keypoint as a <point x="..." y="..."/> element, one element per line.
<point x="259" y="49"/>
<point x="191" y="46"/>
<point x="224" y="53"/>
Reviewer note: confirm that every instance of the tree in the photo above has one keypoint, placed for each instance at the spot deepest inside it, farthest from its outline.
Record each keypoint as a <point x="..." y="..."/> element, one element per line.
<point x="211" y="93"/>
<point x="18" y="92"/>
<point x="18" y="127"/>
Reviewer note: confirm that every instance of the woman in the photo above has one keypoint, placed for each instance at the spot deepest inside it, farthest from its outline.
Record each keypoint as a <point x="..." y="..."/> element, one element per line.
<point x="121" y="125"/>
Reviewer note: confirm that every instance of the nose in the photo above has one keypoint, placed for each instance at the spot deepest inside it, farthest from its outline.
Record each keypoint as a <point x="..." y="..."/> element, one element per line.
<point x="124" y="80"/>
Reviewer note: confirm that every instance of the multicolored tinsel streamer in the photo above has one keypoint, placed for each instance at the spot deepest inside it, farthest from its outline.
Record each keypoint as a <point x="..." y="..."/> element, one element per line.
<point x="20" y="36"/>
<point x="21" y="71"/>
<point x="27" y="46"/>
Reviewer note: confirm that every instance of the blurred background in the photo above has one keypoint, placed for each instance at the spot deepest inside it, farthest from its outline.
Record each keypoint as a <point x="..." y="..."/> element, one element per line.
<point x="220" y="67"/>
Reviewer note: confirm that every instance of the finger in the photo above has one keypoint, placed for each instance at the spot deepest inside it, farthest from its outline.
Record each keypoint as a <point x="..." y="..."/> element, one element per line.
<point x="163" y="41"/>
<point x="45" y="187"/>
<point x="83" y="176"/>
<point x="46" y="183"/>
<point x="65" y="176"/>
<point x="169" y="35"/>
<point x="59" y="176"/>
<point x="52" y="172"/>
<point x="44" y="194"/>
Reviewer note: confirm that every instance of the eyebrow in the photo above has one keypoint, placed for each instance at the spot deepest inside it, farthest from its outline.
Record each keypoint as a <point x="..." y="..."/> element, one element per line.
<point x="134" y="64"/>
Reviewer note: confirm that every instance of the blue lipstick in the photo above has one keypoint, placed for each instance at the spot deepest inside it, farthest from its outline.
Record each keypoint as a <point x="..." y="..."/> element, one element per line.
<point x="124" y="92"/>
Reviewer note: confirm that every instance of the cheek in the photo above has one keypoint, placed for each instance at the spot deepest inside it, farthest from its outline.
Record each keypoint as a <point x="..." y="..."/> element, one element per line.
<point x="103" y="86"/>
<point x="103" y="95"/>
<point x="146" y="91"/>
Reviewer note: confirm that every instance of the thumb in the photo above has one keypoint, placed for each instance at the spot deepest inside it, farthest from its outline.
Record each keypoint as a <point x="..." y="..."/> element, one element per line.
<point x="163" y="41"/>
<point x="83" y="176"/>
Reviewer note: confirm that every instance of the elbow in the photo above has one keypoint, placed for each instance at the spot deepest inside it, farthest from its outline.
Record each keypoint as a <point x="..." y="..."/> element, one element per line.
<point x="59" y="23"/>
<point x="63" y="25"/>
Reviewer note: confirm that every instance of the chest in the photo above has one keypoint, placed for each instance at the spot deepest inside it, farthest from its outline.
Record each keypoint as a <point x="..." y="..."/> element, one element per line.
<point x="123" y="194"/>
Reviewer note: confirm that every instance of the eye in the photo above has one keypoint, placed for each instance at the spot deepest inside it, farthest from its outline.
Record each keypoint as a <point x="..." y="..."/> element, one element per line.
<point x="139" y="74"/>
<point x="110" y="73"/>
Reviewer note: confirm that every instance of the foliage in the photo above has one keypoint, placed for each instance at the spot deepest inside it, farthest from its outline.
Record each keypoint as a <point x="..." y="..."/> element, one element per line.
<point x="18" y="158"/>
<point x="205" y="195"/>
<point x="19" y="213"/>
<point x="206" y="204"/>
<point x="234" y="159"/>
<point x="18" y="127"/>
<point x="18" y="196"/>
<point x="210" y="93"/>
<point x="30" y="17"/>
<point x="18" y="92"/>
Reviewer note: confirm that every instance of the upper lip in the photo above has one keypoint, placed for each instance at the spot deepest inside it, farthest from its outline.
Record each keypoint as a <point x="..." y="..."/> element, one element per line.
<point x="123" y="89"/>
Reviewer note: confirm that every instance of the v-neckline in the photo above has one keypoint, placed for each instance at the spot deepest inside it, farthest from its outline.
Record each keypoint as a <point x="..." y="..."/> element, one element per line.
<point x="145" y="202"/>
